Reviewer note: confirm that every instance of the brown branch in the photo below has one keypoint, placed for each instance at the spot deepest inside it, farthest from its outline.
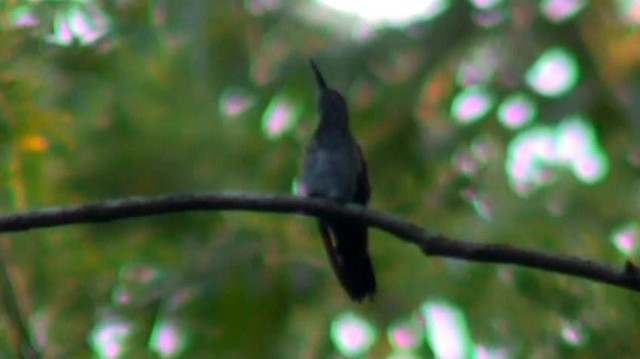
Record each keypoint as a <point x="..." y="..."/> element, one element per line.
<point x="21" y="336"/>
<point x="429" y="242"/>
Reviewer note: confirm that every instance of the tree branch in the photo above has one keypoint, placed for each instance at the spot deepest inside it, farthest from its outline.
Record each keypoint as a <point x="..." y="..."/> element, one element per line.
<point x="25" y="346"/>
<point x="627" y="276"/>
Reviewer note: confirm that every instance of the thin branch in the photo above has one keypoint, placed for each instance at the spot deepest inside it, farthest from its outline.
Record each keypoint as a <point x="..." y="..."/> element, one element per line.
<point x="429" y="242"/>
<point x="22" y="338"/>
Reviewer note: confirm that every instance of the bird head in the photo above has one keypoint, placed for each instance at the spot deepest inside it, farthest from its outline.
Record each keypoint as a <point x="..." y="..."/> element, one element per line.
<point x="331" y="104"/>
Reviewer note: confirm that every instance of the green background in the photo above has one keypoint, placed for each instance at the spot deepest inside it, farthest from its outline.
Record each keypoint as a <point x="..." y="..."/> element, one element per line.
<point x="143" y="110"/>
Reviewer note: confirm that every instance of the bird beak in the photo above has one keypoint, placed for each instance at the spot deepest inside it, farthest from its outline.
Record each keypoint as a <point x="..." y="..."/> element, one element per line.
<point x="319" y="78"/>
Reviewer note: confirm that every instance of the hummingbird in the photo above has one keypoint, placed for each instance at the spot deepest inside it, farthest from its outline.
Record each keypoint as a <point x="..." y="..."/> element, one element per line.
<point x="334" y="169"/>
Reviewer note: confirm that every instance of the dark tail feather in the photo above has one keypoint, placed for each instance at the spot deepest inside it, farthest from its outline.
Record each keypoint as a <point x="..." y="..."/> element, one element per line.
<point x="349" y="257"/>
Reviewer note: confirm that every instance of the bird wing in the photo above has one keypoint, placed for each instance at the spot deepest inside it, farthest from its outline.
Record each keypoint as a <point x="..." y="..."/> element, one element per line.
<point x="363" y="186"/>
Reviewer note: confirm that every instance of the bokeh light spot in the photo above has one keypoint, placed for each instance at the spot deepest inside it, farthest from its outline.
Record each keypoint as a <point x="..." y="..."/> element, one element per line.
<point x="446" y="330"/>
<point x="405" y="335"/>
<point x="554" y="73"/>
<point x="590" y="169"/>
<point x="80" y="23"/>
<point x="625" y="238"/>
<point x="485" y="4"/>
<point x="528" y="153"/>
<point x="572" y="333"/>
<point x="399" y="12"/>
<point x="485" y="352"/>
<point x="534" y="155"/>
<point x="629" y="11"/>
<point x="279" y="117"/>
<point x="516" y="110"/>
<point x="479" y="205"/>
<point x="166" y="339"/>
<point x="233" y="102"/>
<point x="561" y="10"/>
<point x="471" y="104"/>
<point x="352" y="335"/>
<point x="577" y="146"/>
<point x="108" y="338"/>
<point x="22" y="16"/>
<point x="61" y="33"/>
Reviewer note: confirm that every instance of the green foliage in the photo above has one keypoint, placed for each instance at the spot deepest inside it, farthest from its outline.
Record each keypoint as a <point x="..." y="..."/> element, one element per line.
<point x="173" y="97"/>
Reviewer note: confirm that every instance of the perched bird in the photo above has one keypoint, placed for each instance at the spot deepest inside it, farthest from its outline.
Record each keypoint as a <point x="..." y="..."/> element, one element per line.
<point x="334" y="169"/>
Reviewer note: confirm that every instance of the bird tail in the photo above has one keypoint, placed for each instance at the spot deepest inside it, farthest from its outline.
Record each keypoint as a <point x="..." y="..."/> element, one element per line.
<point x="346" y="246"/>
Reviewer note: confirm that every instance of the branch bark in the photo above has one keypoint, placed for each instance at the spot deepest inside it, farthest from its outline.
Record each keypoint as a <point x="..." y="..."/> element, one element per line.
<point x="431" y="243"/>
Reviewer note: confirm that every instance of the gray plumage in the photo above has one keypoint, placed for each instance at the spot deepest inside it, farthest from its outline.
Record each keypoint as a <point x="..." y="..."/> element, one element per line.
<point x="334" y="169"/>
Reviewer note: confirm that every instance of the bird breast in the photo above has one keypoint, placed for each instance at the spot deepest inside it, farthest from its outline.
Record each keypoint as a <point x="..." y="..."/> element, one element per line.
<point x="330" y="172"/>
